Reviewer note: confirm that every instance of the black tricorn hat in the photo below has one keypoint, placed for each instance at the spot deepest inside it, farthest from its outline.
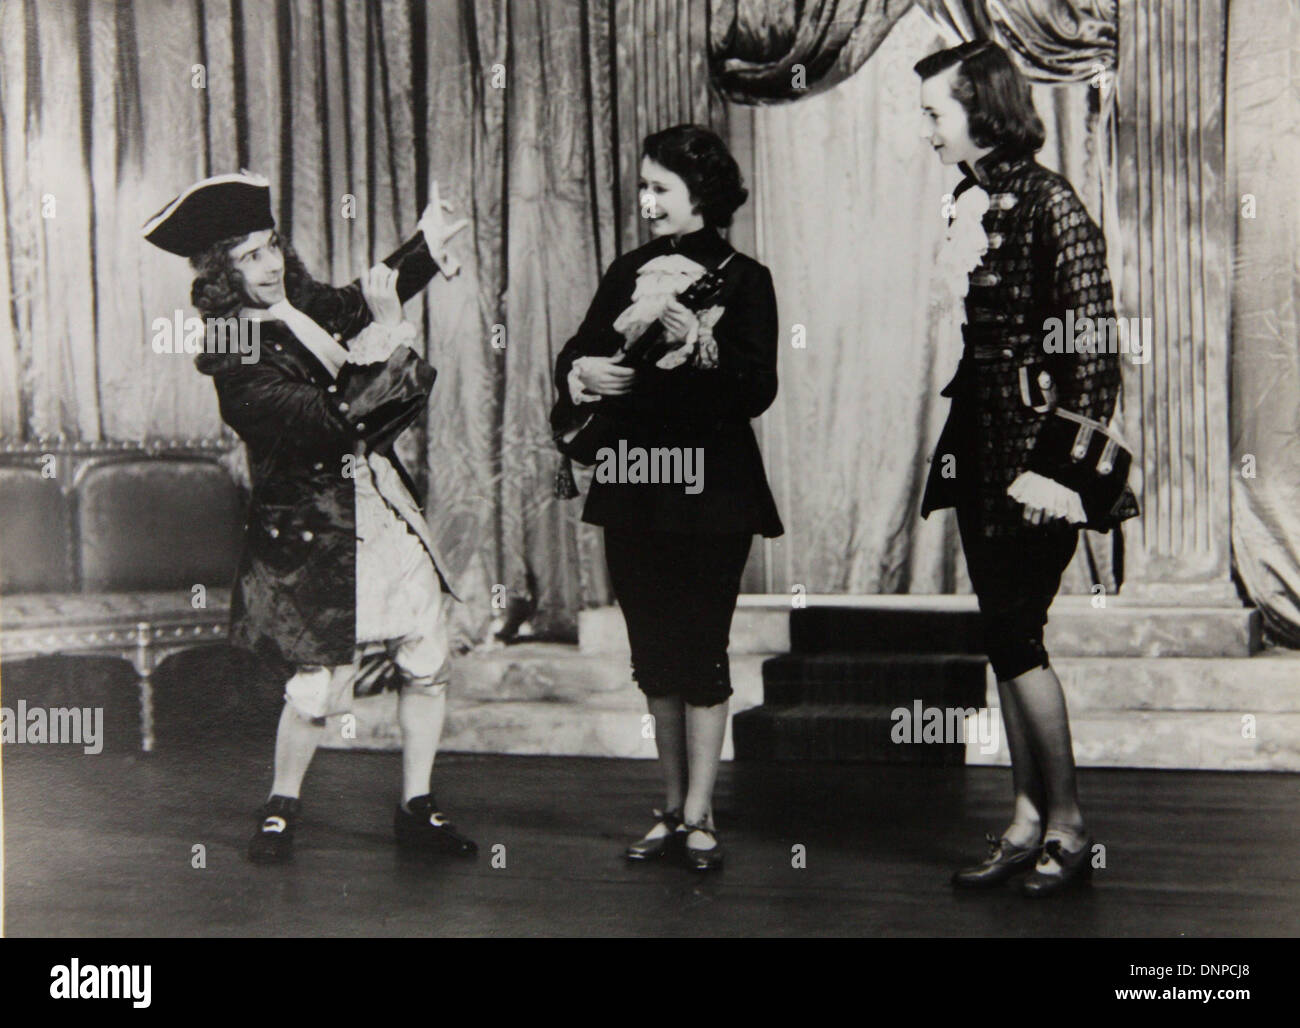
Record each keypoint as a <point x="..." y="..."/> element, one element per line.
<point x="221" y="207"/>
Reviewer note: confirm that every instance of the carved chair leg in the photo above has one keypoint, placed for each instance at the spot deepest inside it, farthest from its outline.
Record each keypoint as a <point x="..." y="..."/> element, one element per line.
<point x="143" y="661"/>
<point x="146" y="712"/>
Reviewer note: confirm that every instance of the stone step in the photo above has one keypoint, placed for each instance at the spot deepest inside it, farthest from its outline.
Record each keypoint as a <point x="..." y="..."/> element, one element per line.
<point x="539" y="699"/>
<point x="1075" y="628"/>
<point x="548" y="698"/>
<point x="947" y="624"/>
<point x="1188" y="740"/>
<point x="754" y="629"/>
<point x="1208" y="713"/>
<point x="1265" y="683"/>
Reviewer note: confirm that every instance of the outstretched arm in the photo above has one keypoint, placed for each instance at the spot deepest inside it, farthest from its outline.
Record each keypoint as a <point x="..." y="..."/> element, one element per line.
<point x="344" y="311"/>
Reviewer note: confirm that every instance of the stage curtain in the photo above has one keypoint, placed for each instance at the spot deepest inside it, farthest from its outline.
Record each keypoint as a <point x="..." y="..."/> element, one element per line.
<point x="1263" y="130"/>
<point x="530" y="117"/>
<point x="1059" y="41"/>
<point x="768" y="51"/>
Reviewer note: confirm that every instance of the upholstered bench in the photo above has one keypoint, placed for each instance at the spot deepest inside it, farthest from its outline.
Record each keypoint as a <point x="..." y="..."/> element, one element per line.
<point x="123" y="550"/>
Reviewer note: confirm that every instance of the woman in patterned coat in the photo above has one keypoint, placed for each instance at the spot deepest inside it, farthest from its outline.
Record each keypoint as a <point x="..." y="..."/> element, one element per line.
<point x="1045" y="260"/>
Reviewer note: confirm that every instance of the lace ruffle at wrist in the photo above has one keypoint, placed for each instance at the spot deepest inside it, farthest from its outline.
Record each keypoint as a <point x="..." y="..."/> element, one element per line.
<point x="1033" y="490"/>
<point x="376" y="342"/>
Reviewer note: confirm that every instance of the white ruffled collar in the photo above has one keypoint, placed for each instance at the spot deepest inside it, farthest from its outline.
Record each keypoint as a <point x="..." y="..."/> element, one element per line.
<point x="965" y="242"/>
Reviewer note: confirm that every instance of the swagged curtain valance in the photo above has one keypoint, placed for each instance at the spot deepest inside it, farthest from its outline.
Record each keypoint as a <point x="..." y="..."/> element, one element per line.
<point x="770" y="51"/>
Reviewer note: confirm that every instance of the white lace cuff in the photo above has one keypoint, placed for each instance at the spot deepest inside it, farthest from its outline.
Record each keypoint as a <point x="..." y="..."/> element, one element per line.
<point x="706" y="356"/>
<point x="447" y="264"/>
<point x="1033" y="490"/>
<point x="579" y="394"/>
<point x="376" y="343"/>
<point x="684" y="351"/>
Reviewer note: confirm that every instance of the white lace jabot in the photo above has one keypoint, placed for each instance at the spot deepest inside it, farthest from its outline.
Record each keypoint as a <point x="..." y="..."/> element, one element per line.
<point x="326" y="349"/>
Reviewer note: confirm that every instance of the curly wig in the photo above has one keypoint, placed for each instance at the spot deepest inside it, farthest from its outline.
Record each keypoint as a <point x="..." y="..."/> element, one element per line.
<point x="218" y="288"/>
<point x="994" y="94"/>
<point x="705" y="164"/>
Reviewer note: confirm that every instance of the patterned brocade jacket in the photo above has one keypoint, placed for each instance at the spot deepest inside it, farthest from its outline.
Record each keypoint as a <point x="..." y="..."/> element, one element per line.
<point x="1045" y="258"/>
<point x="294" y="601"/>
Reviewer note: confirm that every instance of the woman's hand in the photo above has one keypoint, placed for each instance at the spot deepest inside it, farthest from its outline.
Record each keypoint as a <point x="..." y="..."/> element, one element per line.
<point x="1036" y="516"/>
<point x="1045" y="500"/>
<point x="601" y="375"/>
<point x="678" y="322"/>
<point x="437" y="231"/>
<point x="379" y="287"/>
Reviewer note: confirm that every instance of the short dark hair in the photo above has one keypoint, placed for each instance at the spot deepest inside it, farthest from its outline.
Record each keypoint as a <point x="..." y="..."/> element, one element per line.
<point x="994" y="94"/>
<point x="705" y="164"/>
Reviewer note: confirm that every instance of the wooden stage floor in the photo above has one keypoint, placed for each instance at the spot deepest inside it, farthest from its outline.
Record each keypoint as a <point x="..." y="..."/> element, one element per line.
<point x="102" y="846"/>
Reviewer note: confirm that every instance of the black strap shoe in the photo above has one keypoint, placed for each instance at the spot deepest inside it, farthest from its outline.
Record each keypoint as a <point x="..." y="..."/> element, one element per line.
<point x="659" y="846"/>
<point x="701" y="859"/>
<point x="424" y="827"/>
<point x="272" y="843"/>
<point x="1005" y="860"/>
<point x="1059" y="869"/>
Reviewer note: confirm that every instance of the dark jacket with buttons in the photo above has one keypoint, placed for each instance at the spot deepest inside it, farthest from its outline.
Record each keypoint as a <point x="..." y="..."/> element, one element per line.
<point x="689" y="406"/>
<point x="294" y="601"/>
<point x="1045" y="257"/>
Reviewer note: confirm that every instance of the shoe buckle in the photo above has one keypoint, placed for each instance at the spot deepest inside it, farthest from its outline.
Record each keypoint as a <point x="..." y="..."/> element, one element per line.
<point x="1051" y="855"/>
<point x="274" y="824"/>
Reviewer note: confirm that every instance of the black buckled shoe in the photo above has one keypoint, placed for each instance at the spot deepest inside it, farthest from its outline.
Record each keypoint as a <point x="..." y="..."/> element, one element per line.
<point x="701" y="859"/>
<point x="1005" y="860"/>
<point x="1075" y="869"/>
<point x="272" y="843"/>
<point x="659" y="846"/>
<point x="426" y="828"/>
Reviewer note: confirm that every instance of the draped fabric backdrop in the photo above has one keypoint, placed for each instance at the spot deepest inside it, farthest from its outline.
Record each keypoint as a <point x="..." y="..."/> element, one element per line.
<point x="1264" y="153"/>
<point x="530" y="117"/>
<point x="769" y="51"/>
<point x="765" y="51"/>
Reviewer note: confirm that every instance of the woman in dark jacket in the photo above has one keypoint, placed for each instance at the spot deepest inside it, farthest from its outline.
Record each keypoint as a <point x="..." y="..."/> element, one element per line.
<point x="682" y="491"/>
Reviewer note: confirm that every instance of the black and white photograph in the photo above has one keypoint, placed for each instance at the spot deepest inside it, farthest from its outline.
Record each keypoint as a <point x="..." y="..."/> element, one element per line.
<point x="651" y="469"/>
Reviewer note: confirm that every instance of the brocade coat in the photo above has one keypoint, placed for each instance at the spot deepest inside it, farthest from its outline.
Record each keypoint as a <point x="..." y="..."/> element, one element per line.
<point x="1045" y="257"/>
<point x="294" y="601"/>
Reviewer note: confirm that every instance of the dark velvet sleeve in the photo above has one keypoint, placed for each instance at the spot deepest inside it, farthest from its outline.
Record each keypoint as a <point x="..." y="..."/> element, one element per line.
<point x="344" y="310"/>
<point x="1074" y="248"/>
<point x="270" y="410"/>
<point x="384" y="399"/>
